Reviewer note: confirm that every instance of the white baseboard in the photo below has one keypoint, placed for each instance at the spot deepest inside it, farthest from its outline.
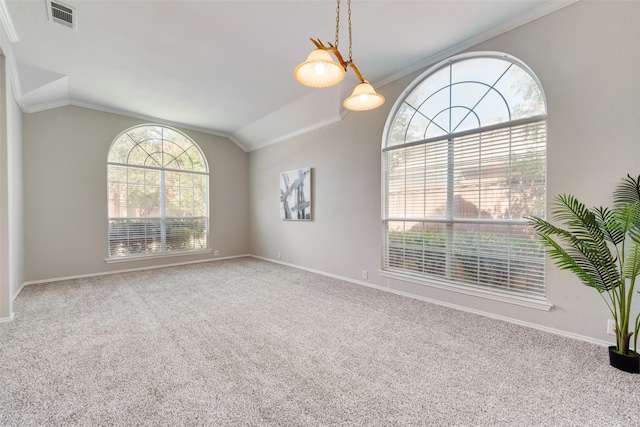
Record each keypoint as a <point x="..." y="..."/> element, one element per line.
<point x="7" y="319"/>
<point x="15" y="295"/>
<point x="554" y="331"/>
<point x="106" y="273"/>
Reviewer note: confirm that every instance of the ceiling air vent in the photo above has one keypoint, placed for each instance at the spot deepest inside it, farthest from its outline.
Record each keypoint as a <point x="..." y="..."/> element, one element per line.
<point x="62" y="14"/>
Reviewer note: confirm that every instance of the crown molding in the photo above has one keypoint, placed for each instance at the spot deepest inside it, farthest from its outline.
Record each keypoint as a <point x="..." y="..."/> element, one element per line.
<point x="318" y="125"/>
<point x="7" y="23"/>
<point x="66" y="102"/>
<point x="542" y="10"/>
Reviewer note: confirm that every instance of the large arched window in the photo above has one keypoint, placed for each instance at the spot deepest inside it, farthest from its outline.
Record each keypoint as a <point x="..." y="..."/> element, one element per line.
<point x="464" y="162"/>
<point x="158" y="193"/>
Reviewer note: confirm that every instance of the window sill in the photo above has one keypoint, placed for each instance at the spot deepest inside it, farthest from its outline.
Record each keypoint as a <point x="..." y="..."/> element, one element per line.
<point x="146" y="257"/>
<point x="538" y="304"/>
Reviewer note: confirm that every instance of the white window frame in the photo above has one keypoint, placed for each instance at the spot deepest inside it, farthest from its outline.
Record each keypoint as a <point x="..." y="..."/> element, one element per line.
<point x="161" y="246"/>
<point x="536" y="299"/>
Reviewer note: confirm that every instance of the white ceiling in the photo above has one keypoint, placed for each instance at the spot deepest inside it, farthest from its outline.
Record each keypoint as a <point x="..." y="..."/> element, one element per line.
<point x="226" y="67"/>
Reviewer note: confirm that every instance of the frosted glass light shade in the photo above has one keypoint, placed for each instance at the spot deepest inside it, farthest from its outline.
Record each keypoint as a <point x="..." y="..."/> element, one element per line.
<point x="319" y="70"/>
<point x="363" y="98"/>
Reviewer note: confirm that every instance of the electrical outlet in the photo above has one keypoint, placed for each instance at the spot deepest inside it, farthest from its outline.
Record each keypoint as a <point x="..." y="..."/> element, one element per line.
<point x="215" y="252"/>
<point x="611" y="327"/>
<point x="278" y="255"/>
<point x="365" y="275"/>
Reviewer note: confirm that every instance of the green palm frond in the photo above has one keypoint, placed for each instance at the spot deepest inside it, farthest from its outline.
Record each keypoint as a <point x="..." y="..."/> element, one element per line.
<point x="631" y="265"/>
<point x="610" y="227"/>
<point x="632" y="261"/>
<point x="581" y="248"/>
<point x="634" y="234"/>
<point x="586" y="234"/>
<point x="627" y="192"/>
<point x="566" y="261"/>
<point x="627" y="216"/>
<point x="570" y="211"/>
<point x="580" y="221"/>
<point x="543" y="227"/>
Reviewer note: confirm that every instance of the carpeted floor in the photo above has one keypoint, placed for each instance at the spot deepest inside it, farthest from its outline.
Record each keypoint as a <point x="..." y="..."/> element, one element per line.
<point x="246" y="342"/>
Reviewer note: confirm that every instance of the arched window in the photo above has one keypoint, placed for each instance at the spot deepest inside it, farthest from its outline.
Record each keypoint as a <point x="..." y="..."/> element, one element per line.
<point x="464" y="162"/>
<point x="158" y="193"/>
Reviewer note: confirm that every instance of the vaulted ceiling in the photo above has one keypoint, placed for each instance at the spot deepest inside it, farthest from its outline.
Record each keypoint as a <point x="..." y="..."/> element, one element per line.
<point x="226" y="67"/>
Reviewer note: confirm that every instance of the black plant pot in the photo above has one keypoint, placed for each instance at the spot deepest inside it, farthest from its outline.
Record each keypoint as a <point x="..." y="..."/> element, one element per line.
<point x="630" y="363"/>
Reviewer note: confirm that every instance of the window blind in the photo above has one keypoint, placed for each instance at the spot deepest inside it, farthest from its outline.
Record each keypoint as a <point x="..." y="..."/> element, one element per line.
<point x="455" y="208"/>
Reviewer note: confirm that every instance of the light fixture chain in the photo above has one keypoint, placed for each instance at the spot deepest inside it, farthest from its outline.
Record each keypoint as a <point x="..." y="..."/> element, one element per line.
<point x="338" y="22"/>
<point x="349" y="15"/>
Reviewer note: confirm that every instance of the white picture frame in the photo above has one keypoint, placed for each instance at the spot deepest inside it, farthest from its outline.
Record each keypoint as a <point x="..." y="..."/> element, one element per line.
<point x="295" y="195"/>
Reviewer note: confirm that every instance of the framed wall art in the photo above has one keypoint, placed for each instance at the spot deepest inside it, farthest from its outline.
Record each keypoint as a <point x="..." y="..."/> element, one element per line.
<point x="295" y="195"/>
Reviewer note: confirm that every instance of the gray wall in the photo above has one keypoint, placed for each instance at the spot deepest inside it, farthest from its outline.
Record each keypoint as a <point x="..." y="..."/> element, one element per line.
<point x="585" y="55"/>
<point x="65" y="193"/>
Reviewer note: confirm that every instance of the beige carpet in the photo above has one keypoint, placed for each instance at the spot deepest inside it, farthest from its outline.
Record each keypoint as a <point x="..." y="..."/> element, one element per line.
<point x="246" y="342"/>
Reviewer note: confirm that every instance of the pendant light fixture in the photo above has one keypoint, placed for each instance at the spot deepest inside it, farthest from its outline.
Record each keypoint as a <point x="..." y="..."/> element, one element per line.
<point x="320" y="70"/>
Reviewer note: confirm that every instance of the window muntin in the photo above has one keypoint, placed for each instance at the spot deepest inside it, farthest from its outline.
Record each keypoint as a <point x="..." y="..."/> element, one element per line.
<point x="464" y="161"/>
<point x="463" y="95"/>
<point x="158" y="193"/>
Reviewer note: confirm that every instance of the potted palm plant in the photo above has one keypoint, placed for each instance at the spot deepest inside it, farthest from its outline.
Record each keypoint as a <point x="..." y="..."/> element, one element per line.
<point x="601" y="246"/>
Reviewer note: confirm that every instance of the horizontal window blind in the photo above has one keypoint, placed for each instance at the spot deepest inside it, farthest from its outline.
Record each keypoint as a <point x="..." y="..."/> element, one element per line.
<point x="455" y="208"/>
<point x="149" y="236"/>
